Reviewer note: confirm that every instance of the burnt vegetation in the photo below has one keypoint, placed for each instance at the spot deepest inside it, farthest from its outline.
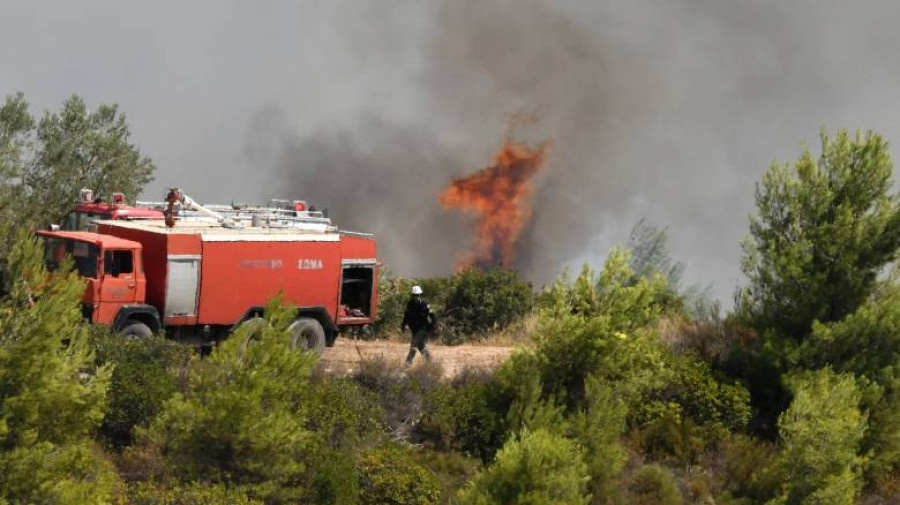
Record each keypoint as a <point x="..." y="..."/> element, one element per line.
<point x="626" y="387"/>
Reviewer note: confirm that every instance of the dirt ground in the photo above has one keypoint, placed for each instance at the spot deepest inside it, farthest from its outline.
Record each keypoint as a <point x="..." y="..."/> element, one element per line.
<point x="345" y="356"/>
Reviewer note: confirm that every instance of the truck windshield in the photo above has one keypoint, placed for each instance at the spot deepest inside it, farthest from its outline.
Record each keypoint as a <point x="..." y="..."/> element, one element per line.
<point x="83" y="254"/>
<point x="79" y="221"/>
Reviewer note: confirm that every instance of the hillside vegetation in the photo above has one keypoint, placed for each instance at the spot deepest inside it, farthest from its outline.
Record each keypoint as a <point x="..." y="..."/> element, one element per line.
<point x="625" y="387"/>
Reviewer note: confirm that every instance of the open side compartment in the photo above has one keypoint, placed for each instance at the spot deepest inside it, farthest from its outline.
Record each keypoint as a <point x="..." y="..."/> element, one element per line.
<point x="356" y="291"/>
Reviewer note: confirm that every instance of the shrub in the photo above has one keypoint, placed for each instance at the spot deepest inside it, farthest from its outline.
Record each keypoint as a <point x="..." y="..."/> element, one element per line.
<point x="452" y="469"/>
<point x="243" y="419"/>
<point x="537" y="468"/>
<point x="52" y="396"/>
<point x="468" y="415"/>
<point x="601" y="325"/>
<point x="143" y="378"/>
<point x="195" y="493"/>
<point x="654" y="485"/>
<point x="672" y="437"/>
<point x="820" y="434"/>
<point x="341" y="412"/>
<point x="484" y="300"/>
<point x="598" y="429"/>
<point x="691" y="385"/>
<point x="389" y="476"/>
<point x="468" y="304"/>
<point x="748" y="468"/>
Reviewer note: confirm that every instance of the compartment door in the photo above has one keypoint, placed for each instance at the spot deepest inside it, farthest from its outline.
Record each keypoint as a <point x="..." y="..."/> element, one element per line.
<point x="182" y="282"/>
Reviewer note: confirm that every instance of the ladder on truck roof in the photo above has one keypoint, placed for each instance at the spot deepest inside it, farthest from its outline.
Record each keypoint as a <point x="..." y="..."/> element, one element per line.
<point x="278" y="214"/>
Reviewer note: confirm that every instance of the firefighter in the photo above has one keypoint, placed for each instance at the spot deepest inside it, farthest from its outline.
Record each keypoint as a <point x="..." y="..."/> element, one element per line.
<point x="421" y="321"/>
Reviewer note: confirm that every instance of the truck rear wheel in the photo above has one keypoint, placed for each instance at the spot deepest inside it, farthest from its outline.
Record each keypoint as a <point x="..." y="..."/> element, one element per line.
<point x="136" y="330"/>
<point x="254" y="328"/>
<point x="307" y="334"/>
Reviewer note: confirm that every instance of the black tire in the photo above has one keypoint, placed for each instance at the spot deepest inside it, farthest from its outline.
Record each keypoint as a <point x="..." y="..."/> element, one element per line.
<point x="136" y="330"/>
<point x="307" y="334"/>
<point x="254" y="330"/>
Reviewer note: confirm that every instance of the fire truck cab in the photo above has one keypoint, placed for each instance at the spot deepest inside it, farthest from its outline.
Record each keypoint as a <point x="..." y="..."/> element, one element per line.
<point x="111" y="268"/>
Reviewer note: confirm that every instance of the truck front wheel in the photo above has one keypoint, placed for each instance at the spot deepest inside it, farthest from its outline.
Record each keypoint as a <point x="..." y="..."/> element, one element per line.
<point x="136" y="330"/>
<point x="307" y="334"/>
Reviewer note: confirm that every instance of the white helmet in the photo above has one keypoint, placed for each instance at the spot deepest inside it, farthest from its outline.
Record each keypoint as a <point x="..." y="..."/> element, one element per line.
<point x="416" y="290"/>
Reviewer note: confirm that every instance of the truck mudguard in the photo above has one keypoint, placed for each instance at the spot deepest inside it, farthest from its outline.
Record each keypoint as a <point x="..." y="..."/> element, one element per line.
<point x="146" y="314"/>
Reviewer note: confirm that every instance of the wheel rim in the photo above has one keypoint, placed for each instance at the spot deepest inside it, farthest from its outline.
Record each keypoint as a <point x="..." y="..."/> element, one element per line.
<point x="255" y="326"/>
<point x="303" y="337"/>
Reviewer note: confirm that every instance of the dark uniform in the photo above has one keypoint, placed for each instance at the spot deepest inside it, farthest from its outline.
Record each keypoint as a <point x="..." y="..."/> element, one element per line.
<point x="420" y="320"/>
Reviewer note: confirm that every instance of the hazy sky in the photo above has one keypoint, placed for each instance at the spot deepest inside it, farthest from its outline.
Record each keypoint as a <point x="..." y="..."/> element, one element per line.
<point x="663" y="109"/>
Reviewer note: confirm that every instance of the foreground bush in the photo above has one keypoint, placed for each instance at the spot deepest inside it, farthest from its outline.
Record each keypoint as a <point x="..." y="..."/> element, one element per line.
<point x="602" y="325"/>
<point x="538" y="468"/>
<point x="468" y="415"/>
<point x="389" y="476"/>
<point x="144" y="376"/>
<point x="51" y="395"/>
<point x="820" y="435"/>
<point x="242" y="419"/>
<point x="189" y="494"/>
<point x="654" y="485"/>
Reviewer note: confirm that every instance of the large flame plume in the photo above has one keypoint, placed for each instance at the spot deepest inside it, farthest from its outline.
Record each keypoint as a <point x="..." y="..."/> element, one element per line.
<point x="500" y="197"/>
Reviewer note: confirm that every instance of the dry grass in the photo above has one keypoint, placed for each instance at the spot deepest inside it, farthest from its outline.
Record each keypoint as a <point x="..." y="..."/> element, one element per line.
<point x="516" y="335"/>
<point x="707" y="339"/>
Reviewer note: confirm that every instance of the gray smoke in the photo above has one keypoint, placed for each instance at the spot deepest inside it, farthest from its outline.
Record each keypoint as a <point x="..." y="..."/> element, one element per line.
<point x="667" y="110"/>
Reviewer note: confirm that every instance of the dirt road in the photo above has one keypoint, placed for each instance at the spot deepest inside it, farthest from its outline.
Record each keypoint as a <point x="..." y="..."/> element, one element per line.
<point x="346" y="355"/>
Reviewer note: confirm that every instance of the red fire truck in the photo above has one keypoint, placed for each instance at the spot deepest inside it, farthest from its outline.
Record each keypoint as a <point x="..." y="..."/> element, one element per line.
<point x="198" y="280"/>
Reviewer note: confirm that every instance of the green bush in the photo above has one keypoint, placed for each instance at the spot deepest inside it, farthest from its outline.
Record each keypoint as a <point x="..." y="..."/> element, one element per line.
<point x="341" y="412"/>
<point x="602" y="325"/>
<point x="654" y="485"/>
<point x="144" y="376"/>
<point x="695" y="396"/>
<point x="537" y="468"/>
<point x="820" y="438"/>
<point x="390" y="476"/>
<point x="749" y="472"/>
<point x="52" y="397"/>
<point x="243" y="419"/>
<point x="452" y="469"/>
<point x="672" y="437"/>
<point x="484" y="300"/>
<point x="468" y="415"/>
<point x="598" y="429"/>
<point x="195" y="493"/>
<point x="468" y="304"/>
<point x="867" y="344"/>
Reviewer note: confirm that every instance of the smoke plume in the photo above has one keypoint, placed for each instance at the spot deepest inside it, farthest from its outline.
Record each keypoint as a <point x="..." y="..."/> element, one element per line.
<point x="656" y="109"/>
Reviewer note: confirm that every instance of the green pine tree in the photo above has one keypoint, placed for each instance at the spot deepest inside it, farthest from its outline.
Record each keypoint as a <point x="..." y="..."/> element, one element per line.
<point x="51" y="396"/>
<point x="820" y="436"/>
<point x="825" y="227"/>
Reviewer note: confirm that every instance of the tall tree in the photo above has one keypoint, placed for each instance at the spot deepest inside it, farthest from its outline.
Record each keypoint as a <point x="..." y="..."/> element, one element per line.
<point x="824" y="229"/>
<point x="44" y="163"/>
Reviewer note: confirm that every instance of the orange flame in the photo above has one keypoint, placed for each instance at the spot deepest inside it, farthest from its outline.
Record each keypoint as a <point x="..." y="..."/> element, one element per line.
<point x="500" y="195"/>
